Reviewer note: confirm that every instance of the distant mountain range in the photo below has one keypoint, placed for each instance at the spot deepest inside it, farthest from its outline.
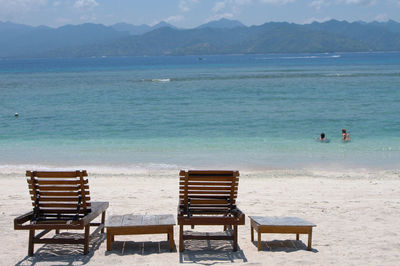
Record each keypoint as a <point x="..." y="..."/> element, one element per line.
<point x="216" y="37"/>
<point x="141" y="29"/>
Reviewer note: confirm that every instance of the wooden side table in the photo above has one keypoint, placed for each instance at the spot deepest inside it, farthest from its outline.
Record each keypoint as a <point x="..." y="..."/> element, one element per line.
<point x="280" y="225"/>
<point x="130" y="224"/>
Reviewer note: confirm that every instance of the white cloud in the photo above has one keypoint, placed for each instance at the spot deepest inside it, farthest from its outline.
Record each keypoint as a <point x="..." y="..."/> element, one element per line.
<point x="243" y="2"/>
<point x="174" y="18"/>
<point x="88" y="18"/>
<point x="21" y="5"/>
<point x="313" y="19"/>
<point x="85" y="4"/>
<point x="231" y="8"/>
<point x="277" y="2"/>
<point x="219" y="6"/>
<point x="318" y="4"/>
<point x="357" y="2"/>
<point x="227" y="9"/>
<point x="382" y="17"/>
<point x="396" y="2"/>
<point x="185" y="5"/>
<point x="219" y="16"/>
<point x="12" y="10"/>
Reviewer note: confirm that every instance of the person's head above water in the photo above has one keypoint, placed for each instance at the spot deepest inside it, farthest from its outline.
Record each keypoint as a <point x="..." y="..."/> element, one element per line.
<point x="322" y="135"/>
<point x="343" y="131"/>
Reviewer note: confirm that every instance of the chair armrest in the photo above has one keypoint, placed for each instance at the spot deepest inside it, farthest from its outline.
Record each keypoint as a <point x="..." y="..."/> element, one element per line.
<point x="239" y="214"/>
<point x="180" y="210"/>
<point x="20" y="220"/>
<point x="97" y="209"/>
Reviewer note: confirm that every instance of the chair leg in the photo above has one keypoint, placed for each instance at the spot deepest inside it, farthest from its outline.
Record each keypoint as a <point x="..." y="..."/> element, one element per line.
<point x="31" y="244"/>
<point x="235" y="237"/>
<point x="86" y="241"/>
<point x="181" y="247"/>
<point x="103" y="219"/>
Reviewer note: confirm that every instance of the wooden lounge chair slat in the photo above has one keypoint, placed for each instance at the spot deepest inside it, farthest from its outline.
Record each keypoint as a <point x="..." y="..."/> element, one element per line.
<point x="210" y="178"/>
<point x="56" y="182"/>
<point x="209" y="172"/>
<point x="57" y="188"/>
<point x="57" y="205"/>
<point x="199" y="183"/>
<point x="61" y="193"/>
<point x="66" y="199"/>
<point x="54" y="174"/>
<point x="196" y="199"/>
<point x="58" y="210"/>
<point x="207" y="201"/>
<point x="205" y="196"/>
<point x="208" y="208"/>
<point x="222" y="188"/>
<point x="197" y="192"/>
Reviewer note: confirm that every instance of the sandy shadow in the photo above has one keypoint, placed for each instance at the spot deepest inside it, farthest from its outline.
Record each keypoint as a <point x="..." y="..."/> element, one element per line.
<point x="209" y="252"/>
<point x="139" y="248"/>
<point x="61" y="254"/>
<point x="283" y="246"/>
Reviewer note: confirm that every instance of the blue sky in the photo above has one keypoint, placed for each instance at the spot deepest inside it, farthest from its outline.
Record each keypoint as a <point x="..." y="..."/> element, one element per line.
<point x="191" y="13"/>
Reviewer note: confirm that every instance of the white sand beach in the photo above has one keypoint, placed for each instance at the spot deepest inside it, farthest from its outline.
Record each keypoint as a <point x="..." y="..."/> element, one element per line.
<point x="357" y="216"/>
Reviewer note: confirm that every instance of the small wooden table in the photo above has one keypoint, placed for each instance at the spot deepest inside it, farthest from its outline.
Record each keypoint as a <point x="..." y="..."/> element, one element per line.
<point x="280" y="225"/>
<point x="130" y="224"/>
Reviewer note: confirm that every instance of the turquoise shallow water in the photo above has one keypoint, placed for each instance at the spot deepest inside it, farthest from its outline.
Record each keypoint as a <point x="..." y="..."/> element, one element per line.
<point x="242" y="111"/>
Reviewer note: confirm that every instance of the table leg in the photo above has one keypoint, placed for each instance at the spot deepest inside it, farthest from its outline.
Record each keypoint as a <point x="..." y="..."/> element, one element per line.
<point x="252" y="233"/>
<point x="297" y="237"/>
<point x="109" y="240"/>
<point x="171" y="239"/>
<point x="103" y="219"/>
<point x="259" y="241"/>
<point x="309" y="240"/>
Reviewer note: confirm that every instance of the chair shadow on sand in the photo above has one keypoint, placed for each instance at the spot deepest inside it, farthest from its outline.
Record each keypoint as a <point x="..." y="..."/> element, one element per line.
<point x="61" y="254"/>
<point x="144" y="248"/>
<point x="210" y="252"/>
<point x="283" y="246"/>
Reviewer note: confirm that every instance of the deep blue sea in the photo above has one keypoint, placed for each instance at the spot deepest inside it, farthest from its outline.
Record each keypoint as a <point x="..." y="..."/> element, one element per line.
<point x="231" y="111"/>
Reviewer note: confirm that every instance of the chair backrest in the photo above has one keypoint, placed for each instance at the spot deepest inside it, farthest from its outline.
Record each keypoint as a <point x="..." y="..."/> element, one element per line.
<point x="208" y="190"/>
<point x="59" y="195"/>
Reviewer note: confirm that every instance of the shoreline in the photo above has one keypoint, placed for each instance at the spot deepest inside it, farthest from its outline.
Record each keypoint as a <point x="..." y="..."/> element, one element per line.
<point x="114" y="171"/>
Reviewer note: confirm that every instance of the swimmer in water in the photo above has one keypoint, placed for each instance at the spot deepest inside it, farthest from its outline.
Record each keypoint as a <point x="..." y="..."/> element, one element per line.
<point x="323" y="138"/>
<point x="345" y="135"/>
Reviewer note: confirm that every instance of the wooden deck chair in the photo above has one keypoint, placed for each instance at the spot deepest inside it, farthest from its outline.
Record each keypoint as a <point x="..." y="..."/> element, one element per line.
<point x="209" y="198"/>
<point x="61" y="201"/>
